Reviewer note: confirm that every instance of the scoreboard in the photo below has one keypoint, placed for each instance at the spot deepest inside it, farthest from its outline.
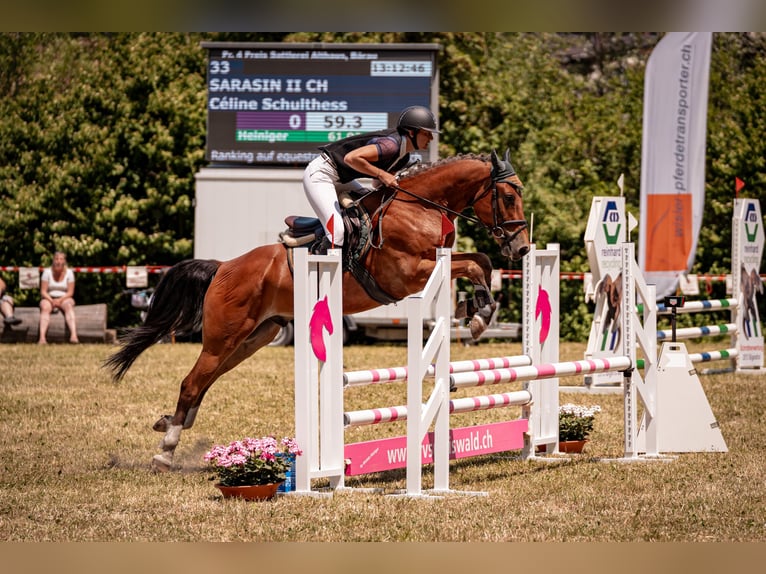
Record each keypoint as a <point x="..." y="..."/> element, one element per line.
<point x="272" y="104"/>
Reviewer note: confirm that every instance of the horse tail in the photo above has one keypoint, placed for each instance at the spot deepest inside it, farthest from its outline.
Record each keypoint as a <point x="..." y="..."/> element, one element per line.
<point x="176" y="307"/>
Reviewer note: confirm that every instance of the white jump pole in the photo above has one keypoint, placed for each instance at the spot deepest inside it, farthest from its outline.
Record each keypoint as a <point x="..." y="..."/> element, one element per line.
<point x="398" y="374"/>
<point x="419" y="359"/>
<point x="540" y="341"/>
<point x="639" y="333"/>
<point x="318" y="388"/>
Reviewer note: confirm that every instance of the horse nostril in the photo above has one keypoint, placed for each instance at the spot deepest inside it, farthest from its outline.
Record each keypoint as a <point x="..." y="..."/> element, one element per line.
<point x="524" y="250"/>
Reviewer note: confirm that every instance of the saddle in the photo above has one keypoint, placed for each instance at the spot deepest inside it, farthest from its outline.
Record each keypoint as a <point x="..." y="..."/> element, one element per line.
<point x="307" y="232"/>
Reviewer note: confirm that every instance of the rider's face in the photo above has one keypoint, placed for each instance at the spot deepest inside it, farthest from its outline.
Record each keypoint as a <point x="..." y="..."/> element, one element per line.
<point x="423" y="138"/>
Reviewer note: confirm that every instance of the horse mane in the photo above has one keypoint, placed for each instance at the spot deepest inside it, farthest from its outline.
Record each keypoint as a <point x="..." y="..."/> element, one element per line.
<point x="422" y="168"/>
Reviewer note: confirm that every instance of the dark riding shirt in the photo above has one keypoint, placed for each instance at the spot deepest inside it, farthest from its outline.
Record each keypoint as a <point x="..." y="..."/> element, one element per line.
<point x="389" y="144"/>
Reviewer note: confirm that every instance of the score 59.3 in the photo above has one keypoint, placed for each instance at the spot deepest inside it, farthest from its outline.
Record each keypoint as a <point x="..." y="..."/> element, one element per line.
<point x="360" y="121"/>
<point x="343" y="122"/>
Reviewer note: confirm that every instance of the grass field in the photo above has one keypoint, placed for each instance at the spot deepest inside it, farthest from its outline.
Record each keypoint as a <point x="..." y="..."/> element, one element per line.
<point x="76" y="451"/>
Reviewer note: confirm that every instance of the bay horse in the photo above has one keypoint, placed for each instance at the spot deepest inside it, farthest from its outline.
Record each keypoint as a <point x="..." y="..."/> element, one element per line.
<point x="241" y="304"/>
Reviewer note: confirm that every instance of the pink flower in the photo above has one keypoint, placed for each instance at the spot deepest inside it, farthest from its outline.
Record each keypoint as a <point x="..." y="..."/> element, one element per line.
<point x="292" y="446"/>
<point x="252" y="460"/>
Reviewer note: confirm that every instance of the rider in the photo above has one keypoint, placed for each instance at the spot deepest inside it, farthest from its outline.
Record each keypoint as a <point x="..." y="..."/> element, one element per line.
<point x="374" y="154"/>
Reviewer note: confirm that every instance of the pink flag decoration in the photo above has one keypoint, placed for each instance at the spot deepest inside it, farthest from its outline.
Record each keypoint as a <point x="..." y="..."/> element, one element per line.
<point x="543" y="310"/>
<point x="320" y="319"/>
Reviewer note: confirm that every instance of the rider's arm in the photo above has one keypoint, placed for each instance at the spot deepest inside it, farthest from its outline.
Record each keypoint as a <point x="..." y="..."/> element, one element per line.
<point x="361" y="160"/>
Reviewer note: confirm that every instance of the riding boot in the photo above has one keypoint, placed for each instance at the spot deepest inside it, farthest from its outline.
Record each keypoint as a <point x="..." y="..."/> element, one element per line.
<point x="322" y="247"/>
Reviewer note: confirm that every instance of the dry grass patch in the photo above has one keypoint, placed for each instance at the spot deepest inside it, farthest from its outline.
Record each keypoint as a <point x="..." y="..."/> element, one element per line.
<point x="75" y="451"/>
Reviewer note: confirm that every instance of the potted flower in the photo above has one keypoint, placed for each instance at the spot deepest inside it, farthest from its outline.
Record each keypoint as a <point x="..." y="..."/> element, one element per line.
<point x="252" y="468"/>
<point x="575" y="425"/>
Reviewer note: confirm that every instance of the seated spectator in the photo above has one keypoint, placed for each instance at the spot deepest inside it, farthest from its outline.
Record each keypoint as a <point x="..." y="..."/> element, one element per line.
<point x="6" y="306"/>
<point x="57" y="294"/>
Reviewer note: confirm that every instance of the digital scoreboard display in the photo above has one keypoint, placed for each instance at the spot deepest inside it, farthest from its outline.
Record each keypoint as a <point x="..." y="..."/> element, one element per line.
<point x="274" y="104"/>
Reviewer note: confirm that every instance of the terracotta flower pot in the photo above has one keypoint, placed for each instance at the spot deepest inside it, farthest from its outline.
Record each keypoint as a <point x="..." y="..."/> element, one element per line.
<point x="567" y="446"/>
<point x="251" y="492"/>
<point x="572" y="446"/>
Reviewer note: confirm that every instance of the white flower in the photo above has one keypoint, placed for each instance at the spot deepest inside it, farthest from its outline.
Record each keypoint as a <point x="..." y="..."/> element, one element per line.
<point x="579" y="411"/>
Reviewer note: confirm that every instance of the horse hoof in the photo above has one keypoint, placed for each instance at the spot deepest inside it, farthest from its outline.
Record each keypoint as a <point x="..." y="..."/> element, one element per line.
<point x="162" y="424"/>
<point x="477" y="326"/>
<point x="161" y="463"/>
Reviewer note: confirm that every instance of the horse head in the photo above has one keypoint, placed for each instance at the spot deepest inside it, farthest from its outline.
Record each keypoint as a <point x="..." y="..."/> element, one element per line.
<point x="502" y="210"/>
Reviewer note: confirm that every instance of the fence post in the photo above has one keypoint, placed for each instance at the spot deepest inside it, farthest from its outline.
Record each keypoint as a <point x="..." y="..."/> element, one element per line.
<point x="436" y="295"/>
<point x="318" y="384"/>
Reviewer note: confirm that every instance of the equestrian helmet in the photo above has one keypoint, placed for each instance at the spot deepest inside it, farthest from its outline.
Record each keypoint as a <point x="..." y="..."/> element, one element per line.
<point x="418" y="118"/>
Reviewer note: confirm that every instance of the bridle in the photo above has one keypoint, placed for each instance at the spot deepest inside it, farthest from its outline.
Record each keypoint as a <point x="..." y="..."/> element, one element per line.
<point x="499" y="174"/>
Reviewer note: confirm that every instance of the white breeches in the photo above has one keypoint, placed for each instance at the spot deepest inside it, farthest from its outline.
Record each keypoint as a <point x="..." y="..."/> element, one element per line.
<point x="321" y="185"/>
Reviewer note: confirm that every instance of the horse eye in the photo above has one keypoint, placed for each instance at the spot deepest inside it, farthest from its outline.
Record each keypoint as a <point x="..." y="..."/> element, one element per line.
<point x="516" y="189"/>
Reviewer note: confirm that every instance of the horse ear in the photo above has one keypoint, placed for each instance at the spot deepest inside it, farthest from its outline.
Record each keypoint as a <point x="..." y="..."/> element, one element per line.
<point x="507" y="160"/>
<point x="495" y="159"/>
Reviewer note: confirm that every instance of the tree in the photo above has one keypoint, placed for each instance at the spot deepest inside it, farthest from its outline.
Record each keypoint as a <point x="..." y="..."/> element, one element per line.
<point x="101" y="135"/>
<point x="99" y="145"/>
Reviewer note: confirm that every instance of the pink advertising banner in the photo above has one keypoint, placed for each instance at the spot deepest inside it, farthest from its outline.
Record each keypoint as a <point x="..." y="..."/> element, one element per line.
<point x="389" y="453"/>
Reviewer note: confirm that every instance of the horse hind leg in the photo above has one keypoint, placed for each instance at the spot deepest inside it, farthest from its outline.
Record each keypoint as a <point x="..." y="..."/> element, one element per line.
<point x="184" y="417"/>
<point x="202" y="375"/>
<point x="163" y="423"/>
<point x="259" y="338"/>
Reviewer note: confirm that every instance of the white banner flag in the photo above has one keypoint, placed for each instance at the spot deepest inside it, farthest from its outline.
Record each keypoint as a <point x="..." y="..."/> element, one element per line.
<point x="673" y="157"/>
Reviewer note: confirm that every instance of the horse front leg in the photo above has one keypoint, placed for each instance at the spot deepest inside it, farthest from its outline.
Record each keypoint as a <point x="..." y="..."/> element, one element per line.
<point x="477" y="268"/>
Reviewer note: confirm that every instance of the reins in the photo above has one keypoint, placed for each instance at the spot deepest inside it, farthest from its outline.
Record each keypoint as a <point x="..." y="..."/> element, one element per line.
<point x="442" y="207"/>
<point x="497" y="176"/>
<point x="497" y="229"/>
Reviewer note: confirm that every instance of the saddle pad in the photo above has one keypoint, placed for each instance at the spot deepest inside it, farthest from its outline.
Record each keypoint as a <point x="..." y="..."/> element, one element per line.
<point x="302" y="223"/>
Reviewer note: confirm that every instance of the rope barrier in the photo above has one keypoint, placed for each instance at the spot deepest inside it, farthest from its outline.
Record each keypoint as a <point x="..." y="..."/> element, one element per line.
<point x="102" y="269"/>
<point x="504" y="273"/>
<point x="568" y="275"/>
